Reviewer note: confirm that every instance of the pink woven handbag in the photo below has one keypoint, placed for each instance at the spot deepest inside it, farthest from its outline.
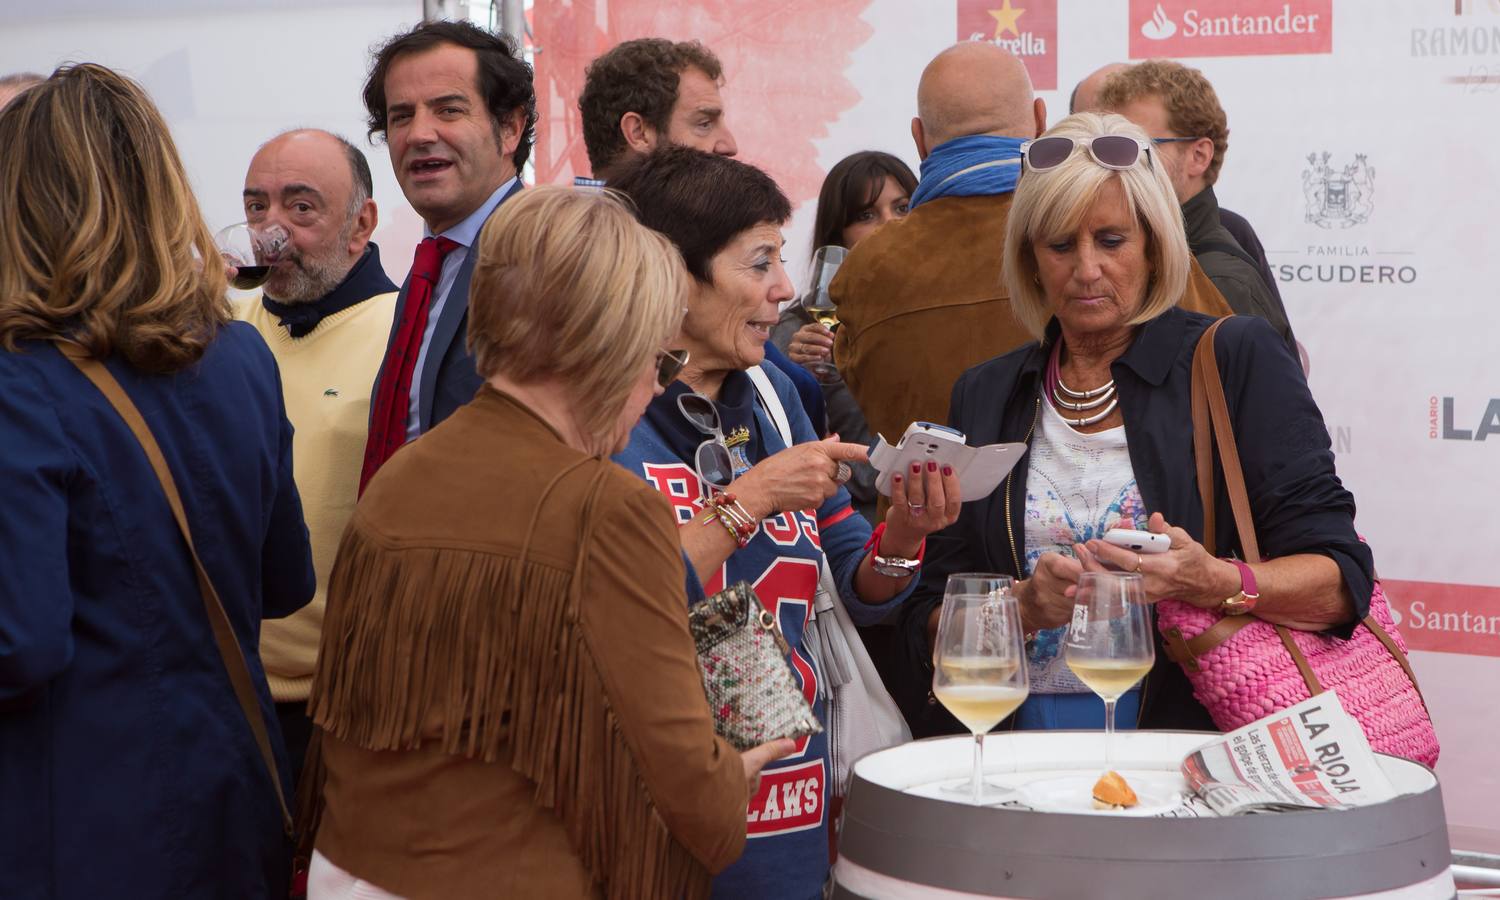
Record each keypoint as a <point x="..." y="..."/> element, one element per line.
<point x="1244" y="668"/>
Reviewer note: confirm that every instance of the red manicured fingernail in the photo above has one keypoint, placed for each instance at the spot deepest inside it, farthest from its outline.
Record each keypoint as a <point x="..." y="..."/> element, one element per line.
<point x="896" y="478"/>
<point x="932" y="467"/>
<point x="947" y="470"/>
<point x="916" y="468"/>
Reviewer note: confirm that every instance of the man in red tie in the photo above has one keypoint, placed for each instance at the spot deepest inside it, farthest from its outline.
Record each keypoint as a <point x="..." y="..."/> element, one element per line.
<point x="458" y="112"/>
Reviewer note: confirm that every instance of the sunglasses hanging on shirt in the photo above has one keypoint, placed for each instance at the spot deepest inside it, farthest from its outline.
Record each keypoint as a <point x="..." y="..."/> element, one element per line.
<point x="711" y="460"/>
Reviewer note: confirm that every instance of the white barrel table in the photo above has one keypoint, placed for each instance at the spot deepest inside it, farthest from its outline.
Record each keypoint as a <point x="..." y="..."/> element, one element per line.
<point x="904" y="837"/>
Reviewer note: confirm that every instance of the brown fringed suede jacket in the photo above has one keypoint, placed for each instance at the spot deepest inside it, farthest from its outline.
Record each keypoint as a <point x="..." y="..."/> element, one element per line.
<point x="507" y="685"/>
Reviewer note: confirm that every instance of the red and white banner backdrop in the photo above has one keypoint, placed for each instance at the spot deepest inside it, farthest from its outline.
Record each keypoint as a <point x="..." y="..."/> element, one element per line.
<point x="1363" y="150"/>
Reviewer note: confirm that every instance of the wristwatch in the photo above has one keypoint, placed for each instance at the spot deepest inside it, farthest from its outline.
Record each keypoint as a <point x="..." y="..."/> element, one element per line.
<point x="895" y="566"/>
<point x="892" y="566"/>
<point x="1245" y="600"/>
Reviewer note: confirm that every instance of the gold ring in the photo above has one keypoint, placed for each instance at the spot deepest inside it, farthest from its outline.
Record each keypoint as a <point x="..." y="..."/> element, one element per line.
<point x="1137" y="562"/>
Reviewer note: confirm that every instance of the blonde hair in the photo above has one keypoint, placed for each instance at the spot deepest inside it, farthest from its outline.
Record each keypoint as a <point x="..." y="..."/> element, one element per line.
<point x="1054" y="202"/>
<point x="101" y="241"/>
<point x="569" y="285"/>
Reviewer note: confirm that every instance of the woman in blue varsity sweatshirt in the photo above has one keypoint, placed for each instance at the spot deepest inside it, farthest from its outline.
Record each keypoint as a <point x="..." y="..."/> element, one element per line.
<point x="710" y="436"/>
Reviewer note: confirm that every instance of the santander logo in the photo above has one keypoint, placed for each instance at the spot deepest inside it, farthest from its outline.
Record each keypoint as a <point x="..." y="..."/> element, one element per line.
<point x="1159" y="27"/>
<point x="1187" y="28"/>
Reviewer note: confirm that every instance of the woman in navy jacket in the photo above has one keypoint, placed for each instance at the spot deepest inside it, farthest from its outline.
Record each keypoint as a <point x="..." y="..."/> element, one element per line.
<point x="1096" y="261"/>
<point x="127" y="768"/>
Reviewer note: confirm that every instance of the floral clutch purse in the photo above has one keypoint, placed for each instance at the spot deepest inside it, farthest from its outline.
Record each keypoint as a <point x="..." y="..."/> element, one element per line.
<point x="742" y="658"/>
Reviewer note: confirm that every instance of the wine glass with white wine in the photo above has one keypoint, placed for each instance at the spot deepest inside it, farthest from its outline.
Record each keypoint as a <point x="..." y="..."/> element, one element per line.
<point x="819" y="304"/>
<point x="980" y="673"/>
<point x="1109" y="645"/>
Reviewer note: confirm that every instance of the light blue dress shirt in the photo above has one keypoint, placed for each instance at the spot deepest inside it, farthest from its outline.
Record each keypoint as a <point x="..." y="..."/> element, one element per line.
<point x="464" y="234"/>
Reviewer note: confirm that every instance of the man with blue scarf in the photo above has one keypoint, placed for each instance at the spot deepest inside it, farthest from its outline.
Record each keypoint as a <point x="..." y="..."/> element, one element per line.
<point x="920" y="300"/>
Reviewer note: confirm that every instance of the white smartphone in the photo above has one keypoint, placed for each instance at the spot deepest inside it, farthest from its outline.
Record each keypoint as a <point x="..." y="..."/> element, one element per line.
<point x="1139" y="541"/>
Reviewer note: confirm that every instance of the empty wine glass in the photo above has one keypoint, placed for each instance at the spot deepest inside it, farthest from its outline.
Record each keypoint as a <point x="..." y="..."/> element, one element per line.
<point x="251" y="251"/>
<point x="818" y="303"/>
<point x="980" y="673"/>
<point x="1109" y="645"/>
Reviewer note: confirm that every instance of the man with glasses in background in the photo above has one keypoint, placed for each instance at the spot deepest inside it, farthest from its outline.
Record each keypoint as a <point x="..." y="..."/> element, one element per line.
<point x="1178" y="108"/>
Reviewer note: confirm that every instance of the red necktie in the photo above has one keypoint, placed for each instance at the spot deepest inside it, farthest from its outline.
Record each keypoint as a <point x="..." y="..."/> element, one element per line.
<point x="393" y="400"/>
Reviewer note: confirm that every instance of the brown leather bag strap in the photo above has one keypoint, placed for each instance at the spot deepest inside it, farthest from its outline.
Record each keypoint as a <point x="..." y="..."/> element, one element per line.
<point x="1390" y="645"/>
<point x="1206" y="372"/>
<point x="1185" y="651"/>
<point x="1203" y="449"/>
<point x="1309" y="677"/>
<point x="229" y="647"/>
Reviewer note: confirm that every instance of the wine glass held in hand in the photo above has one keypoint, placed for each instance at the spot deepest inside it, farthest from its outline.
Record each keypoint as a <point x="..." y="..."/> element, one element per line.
<point x="818" y="303"/>
<point x="251" y="252"/>
<point x="1109" y="645"/>
<point x="980" y="664"/>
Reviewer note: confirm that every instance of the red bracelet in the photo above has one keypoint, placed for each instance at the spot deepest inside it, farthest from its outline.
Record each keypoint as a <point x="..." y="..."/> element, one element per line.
<point x="874" y="542"/>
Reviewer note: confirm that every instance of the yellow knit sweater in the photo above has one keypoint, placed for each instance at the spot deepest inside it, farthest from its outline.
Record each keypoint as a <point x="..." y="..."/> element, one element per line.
<point x="326" y="376"/>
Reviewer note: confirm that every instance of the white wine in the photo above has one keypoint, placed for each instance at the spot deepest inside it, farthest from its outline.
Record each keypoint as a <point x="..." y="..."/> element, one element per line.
<point x="827" y="318"/>
<point x="980" y="706"/>
<point x="1109" y="678"/>
<point x="982" y="670"/>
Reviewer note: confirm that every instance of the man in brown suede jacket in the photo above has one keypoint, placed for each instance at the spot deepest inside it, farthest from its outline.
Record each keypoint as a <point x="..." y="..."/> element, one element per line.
<point x="920" y="300"/>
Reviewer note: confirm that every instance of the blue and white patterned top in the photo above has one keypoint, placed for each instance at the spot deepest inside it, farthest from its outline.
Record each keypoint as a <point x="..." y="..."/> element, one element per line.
<point x="1078" y="486"/>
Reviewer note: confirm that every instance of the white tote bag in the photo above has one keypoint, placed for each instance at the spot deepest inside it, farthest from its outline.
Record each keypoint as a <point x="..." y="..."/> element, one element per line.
<point x="862" y="717"/>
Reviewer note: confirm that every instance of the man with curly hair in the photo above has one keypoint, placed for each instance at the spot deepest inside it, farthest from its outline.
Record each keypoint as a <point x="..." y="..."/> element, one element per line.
<point x="457" y="109"/>
<point x="1179" y="109"/>
<point x="648" y="92"/>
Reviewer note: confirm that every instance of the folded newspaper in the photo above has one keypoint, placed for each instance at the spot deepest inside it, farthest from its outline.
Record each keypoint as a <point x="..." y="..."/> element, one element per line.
<point x="1308" y="756"/>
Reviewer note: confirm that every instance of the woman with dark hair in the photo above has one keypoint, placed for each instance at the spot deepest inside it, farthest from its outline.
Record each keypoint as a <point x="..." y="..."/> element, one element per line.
<point x="750" y="504"/>
<point x="862" y="192"/>
<point x="127" y="763"/>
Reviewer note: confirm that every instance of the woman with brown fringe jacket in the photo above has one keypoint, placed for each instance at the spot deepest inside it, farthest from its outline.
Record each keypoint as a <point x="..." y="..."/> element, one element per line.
<point x="507" y="685"/>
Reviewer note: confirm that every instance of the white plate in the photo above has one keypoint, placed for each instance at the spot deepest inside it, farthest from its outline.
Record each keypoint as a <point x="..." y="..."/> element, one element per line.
<point x="1158" y="792"/>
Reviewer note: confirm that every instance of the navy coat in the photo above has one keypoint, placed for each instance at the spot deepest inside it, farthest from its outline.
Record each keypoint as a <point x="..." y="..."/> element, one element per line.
<point x="1297" y="501"/>
<point x="126" y="766"/>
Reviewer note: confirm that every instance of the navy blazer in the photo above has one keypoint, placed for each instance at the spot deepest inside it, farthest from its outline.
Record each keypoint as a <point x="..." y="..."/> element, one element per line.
<point x="448" y="377"/>
<point x="1297" y="501"/>
<point x="126" y="766"/>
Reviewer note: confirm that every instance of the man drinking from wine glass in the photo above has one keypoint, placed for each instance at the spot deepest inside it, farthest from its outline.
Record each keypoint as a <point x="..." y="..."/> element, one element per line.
<point x="325" y="311"/>
<point x="457" y="109"/>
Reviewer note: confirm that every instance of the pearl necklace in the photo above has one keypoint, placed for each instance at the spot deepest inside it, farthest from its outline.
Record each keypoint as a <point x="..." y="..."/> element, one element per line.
<point x="1065" y="398"/>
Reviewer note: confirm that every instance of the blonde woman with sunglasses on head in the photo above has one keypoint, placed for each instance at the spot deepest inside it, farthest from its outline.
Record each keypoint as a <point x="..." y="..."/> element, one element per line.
<point x="508" y="689"/>
<point x="1097" y="264"/>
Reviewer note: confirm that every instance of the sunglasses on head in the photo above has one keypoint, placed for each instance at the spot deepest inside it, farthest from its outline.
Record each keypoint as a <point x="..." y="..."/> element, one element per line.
<point x="669" y="364"/>
<point x="711" y="460"/>
<point x="1112" y="151"/>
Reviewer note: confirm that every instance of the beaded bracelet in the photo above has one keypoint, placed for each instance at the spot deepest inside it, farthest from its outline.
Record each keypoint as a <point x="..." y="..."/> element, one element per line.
<point x="727" y="511"/>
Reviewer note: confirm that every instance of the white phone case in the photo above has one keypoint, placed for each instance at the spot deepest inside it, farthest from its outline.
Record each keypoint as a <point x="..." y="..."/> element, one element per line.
<point x="980" y="469"/>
